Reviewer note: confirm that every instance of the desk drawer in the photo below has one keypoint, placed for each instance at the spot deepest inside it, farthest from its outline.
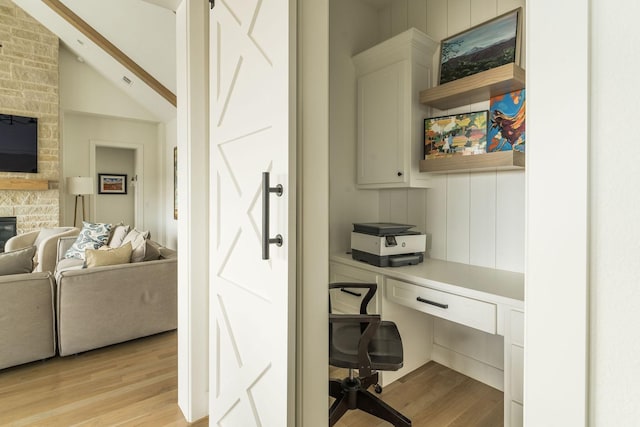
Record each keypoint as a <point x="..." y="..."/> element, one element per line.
<point x="466" y="311"/>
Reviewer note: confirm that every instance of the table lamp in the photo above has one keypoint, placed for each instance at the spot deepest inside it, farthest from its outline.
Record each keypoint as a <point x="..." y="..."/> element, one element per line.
<point x="79" y="186"/>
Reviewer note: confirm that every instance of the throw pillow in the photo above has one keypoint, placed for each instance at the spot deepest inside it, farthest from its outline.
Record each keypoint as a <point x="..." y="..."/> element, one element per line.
<point x="138" y="243"/>
<point x="98" y="258"/>
<point x="17" y="262"/>
<point x="117" y="235"/>
<point x="152" y="251"/>
<point x="92" y="236"/>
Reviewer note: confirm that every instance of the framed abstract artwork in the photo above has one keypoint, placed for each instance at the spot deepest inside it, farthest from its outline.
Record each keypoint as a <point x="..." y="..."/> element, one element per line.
<point x="458" y="134"/>
<point x="507" y="122"/>
<point x="110" y="183"/>
<point x="481" y="48"/>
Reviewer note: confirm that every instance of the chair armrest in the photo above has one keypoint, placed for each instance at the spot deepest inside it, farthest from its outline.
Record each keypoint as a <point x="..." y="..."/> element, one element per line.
<point x="21" y="241"/>
<point x="64" y="243"/>
<point x="373" y="287"/>
<point x="370" y="323"/>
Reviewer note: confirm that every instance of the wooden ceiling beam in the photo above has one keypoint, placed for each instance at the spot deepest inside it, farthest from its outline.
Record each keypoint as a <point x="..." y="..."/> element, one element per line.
<point x="111" y="49"/>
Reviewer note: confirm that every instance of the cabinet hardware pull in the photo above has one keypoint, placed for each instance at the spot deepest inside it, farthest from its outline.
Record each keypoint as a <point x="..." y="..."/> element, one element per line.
<point x="355" y="294"/>
<point x="437" y="304"/>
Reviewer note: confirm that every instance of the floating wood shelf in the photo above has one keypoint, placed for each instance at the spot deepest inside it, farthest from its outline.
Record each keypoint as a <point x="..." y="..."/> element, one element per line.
<point x="23" y="184"/>
<point x="475" y="88"/>
<point x="499" y="160"/>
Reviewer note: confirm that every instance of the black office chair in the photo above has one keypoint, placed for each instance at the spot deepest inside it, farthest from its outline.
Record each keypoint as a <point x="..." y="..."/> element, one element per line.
<point x="368" y="344"/>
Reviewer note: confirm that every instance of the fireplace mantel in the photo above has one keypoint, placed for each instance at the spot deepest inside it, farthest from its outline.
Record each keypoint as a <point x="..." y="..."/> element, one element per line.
<point x="25" y="184"/>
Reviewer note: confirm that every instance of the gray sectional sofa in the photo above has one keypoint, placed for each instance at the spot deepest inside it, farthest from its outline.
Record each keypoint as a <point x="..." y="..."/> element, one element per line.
<point x="80" y="309"/>
<point x="100" y="306"/>
<point x="27" y="319"/>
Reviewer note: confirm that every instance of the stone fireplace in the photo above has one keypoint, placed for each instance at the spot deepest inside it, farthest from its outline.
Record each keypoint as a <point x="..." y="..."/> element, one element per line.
<point x="29" y="85"/>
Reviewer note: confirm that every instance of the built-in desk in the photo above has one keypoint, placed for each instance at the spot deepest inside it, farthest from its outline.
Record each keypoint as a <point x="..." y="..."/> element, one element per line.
<point x="483" y="299"/>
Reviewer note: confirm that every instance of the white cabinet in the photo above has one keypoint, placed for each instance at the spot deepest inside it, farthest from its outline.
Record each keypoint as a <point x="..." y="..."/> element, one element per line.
<point x="390" y="124"/>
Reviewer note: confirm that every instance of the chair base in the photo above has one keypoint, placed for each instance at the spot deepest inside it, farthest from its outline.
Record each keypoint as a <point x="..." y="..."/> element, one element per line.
<point x="352" y="394"/>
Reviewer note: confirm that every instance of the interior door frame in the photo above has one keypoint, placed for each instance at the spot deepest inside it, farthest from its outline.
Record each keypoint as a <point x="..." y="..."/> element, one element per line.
<point x="138" y="190"/>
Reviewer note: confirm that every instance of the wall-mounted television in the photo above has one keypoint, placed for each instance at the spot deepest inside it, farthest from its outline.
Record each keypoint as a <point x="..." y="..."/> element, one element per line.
<point x="18" y="143"/>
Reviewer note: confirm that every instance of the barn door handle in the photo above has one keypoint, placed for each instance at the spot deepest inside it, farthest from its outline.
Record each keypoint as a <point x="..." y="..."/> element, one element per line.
<point x="266" y="190"/>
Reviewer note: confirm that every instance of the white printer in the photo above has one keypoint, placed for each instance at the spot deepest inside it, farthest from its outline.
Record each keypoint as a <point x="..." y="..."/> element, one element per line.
<point x="385" y="244"/>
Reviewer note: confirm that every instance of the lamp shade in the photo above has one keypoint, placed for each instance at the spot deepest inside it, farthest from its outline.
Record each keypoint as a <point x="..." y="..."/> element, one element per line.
<point x="79" y="185"/>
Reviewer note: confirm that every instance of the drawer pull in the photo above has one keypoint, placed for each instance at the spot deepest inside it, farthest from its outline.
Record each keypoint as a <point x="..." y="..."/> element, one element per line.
<point x="355" y="294"/>
<point x="437" y="304"/>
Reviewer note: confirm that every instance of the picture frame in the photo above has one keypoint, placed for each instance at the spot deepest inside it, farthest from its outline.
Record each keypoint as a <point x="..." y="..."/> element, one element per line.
<point x="480" y="48"/>
<point x="112" y="183"/>
<point x="507" y="122"/>
<point x="456" y="134"/>
<point x="175" y="182"/>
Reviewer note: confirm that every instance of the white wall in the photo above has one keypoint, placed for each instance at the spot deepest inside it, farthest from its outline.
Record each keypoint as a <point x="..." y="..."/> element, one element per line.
<point x="113" y="208"/>
<point x="95" y="109"/>
<point x="171" y="224"/>
<point x="614" y="207"/>
<point x="77" y="132"/>
<point x="83" y="89"/>
<point x="353" y="29"/>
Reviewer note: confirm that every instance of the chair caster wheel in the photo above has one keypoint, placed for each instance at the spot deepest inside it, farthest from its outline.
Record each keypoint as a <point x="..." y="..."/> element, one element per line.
<point x="377" y="388"/>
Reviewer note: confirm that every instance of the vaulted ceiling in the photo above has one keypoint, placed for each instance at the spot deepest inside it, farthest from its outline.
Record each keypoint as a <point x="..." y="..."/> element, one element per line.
<point x="142" y="31"/>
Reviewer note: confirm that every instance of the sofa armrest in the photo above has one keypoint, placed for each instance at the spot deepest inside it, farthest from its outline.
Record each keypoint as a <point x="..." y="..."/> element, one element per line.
<point x="21" y="241"/>
<point x="47" y="249"/>
<point x="64" y="243"/>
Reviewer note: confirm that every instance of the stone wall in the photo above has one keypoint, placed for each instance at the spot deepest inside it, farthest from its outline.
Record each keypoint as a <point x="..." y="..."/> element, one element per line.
<point x="29" y="87"/>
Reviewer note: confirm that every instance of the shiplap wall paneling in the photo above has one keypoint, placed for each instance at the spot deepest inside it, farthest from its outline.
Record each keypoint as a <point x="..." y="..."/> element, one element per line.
<point x="510" y="211"/>
<point x="436" y="216"/>
<point x="457" y="217"/>
<point x="482" y="219"/>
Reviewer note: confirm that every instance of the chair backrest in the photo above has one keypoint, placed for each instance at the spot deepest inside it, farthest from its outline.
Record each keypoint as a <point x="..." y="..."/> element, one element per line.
<point x="362" y="341"/>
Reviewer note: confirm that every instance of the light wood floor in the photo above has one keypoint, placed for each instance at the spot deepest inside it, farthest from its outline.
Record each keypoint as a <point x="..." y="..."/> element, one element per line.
<point x="434" y="396"/>
<point x="133" y="383"/>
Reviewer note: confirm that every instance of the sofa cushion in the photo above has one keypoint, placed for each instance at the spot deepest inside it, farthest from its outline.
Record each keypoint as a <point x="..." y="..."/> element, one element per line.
<point x="118" y="233"/>
<point x="17" y="262"/>
<point x="92" y="236"/>
<point x="98" y="257"/>
<point x="138" y="243"/>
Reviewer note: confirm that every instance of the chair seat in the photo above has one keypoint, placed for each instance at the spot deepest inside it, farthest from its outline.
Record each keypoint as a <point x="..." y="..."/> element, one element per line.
<point x="385" y="348"/>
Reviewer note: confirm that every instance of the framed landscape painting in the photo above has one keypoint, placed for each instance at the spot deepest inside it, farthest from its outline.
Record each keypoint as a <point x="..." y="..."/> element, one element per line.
<point x="112" y="184"/>
<point x="459" y="134"/>
<point x="481" y="48"/>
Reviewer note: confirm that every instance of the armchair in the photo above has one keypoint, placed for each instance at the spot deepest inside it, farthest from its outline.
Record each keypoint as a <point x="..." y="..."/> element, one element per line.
<point x="366" y="343"/>
<point x="46" y="241"/>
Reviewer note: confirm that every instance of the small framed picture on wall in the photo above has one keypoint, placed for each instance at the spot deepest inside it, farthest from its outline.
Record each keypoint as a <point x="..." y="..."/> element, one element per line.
<point x="110" y="183"/>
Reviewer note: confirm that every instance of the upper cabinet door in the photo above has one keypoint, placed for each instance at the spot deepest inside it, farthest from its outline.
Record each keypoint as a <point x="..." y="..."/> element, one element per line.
<point x="381" y="110"/>
<point x="390" y="117"/>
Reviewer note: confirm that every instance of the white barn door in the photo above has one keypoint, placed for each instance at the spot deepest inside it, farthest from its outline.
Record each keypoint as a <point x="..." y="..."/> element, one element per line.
<point x="252" y="130"/>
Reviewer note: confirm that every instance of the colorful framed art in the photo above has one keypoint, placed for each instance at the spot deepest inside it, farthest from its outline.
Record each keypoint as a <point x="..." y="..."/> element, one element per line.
<point x="458" y="134"/>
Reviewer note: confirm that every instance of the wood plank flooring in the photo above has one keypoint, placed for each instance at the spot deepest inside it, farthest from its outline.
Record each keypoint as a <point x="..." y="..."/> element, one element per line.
<point x="434" y="396"/>
<point x="133" y="383"/>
